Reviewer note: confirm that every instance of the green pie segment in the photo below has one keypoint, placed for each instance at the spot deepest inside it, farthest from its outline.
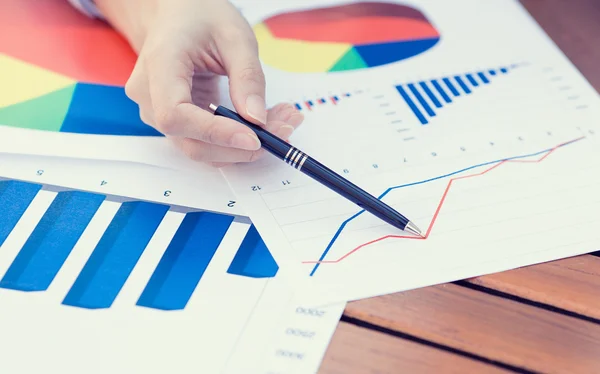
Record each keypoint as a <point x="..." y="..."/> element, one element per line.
<point x="46" y="112"/>
<point x="349" y="61"/>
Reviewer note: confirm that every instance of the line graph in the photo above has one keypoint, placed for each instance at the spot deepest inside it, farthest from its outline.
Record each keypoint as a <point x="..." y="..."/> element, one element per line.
<point x="495" y="164"/>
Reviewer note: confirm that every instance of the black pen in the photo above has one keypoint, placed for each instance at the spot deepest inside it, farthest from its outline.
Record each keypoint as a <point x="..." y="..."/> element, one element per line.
<point x="322" y="174"/>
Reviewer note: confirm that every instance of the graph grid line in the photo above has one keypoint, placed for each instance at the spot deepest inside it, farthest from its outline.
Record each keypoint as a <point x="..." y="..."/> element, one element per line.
<point x="494" y="164"/>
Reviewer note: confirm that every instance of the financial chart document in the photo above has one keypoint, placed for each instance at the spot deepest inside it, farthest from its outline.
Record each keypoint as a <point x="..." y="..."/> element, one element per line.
<point x="470" y="122"/>
<point x="113" y="267"/>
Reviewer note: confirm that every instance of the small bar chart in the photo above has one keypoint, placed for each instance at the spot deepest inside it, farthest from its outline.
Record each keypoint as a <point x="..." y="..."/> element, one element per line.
<point x="333" y="99"/>
<point x="132" y="227"/>
<point x="426" y="97"/>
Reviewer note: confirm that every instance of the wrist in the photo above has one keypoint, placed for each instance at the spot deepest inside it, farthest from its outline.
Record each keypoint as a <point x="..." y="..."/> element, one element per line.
<point x="130" y="17"/>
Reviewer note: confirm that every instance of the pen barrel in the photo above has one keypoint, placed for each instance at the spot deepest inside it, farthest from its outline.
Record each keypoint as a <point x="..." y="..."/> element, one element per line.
<point x="350" y="191"/>
<point x="319" y="172"/>
<point x="269" y="142"/>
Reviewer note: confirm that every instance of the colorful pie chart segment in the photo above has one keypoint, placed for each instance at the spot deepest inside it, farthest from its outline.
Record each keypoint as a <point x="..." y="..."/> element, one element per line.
<point x="347" y="37"/>
<point x="63" y="72"/>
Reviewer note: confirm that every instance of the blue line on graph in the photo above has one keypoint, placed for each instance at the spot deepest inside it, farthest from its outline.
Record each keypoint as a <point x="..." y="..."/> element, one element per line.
<point x="504" y="70"/>
<point x="412" y="105"/>
<point x="492" y="72"/>
<point x="429" y="93"/>
<point x="439" y="88"/>
<point x="462" y="84"/>
<point x="483" y="78"/>
<point x="387" y="191"/>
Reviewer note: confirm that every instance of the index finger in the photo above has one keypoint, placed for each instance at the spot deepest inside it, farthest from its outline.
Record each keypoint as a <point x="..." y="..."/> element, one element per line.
<point x="170" y="85"/>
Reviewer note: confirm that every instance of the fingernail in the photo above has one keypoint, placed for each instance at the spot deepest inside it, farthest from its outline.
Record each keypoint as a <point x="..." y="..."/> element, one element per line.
<point x="256" y="108"/>
<point x="285" y="131"/>
<point x="245" y="141"/>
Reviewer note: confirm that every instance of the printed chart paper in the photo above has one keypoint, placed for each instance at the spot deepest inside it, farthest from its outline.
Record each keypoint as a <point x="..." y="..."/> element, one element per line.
<point x="108" y="267"/>
<point x="487" y="140"/>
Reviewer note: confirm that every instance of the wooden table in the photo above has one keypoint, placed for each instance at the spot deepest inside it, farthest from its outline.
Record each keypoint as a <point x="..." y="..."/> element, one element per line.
<point x="538" y="319"/>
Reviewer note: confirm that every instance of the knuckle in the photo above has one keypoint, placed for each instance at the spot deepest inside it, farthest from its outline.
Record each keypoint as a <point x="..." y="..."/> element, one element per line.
<point x="232" y="35"/>
<point x="254" y="155"/>
<point x="252" y="73"/>
<point x="132" y="84"/>
<point x="145" y="117"/>
<point x="212" y="133"/>
<point x="166" y="121"/>
<point x="194" y="151"/>
<point x="130" y="90"/>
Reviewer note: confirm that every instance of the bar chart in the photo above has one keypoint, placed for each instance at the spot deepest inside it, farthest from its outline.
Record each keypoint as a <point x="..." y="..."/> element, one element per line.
<point x="426" y="97"/>
<point x="151" y="269"/>
<point x="113" y="258"/>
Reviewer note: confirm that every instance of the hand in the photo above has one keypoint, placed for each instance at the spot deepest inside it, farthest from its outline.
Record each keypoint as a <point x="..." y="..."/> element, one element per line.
<point x="183" y="47"/>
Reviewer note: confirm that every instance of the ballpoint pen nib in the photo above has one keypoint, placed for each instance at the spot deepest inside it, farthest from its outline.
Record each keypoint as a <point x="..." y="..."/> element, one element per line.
<point x="413" y="229"/>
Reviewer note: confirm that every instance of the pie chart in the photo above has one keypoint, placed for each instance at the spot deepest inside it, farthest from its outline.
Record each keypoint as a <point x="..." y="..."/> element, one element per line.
<point x="64" y="72"/>
<point x="353" y="36"/>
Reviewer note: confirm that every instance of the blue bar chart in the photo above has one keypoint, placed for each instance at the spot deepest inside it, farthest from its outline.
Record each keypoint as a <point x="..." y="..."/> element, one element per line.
<point x="424" y="98"/>
<point x="115" y="255"/>
<point x="185" y="260"/>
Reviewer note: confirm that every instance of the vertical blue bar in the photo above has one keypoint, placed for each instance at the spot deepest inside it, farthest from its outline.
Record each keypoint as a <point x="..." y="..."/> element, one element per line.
<point x="185" y="261"/>
<point x="15" y="198"/>
<point x="483" y="78"/>
<point x="451" y="87"/>
<point x="472" y="80"/>
<point x="462" y="84"/>
<point x="421" y="100"/>
<point x="492" y="72"/>
<point x="253" y="259"/>
<point x="116" y="254"/>
<point x="433" y="98"/>
<point x="51" y="242"/>
<point x="412" y="105"/>
<point x="439" y="89"/>
<point x="504" y="70"/>
<point x="298" y="106"/>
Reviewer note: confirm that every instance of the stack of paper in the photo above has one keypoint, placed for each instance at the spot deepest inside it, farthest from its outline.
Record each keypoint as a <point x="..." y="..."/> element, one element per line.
<point x="119" y="250"/>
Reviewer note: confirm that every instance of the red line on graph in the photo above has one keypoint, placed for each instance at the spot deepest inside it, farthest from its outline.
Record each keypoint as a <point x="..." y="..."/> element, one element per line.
<point x="440" y="205"/>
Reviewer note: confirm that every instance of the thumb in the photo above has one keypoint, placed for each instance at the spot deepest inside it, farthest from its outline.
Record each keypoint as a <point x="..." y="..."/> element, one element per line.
<point x="246" y="77"/>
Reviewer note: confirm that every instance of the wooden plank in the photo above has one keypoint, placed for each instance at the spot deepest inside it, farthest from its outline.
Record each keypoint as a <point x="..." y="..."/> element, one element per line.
<point x="488" y="326"/>
<point x="574" y="27"/>
<point x="355" y="349"/>
<point x="572" y="284"/>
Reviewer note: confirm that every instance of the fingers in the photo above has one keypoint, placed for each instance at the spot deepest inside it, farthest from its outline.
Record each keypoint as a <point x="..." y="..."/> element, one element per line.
<point x="287" y="113"/>
<point x="162" y="87"/>
<point x="239" y="52"/>
<point x="214" y="154"/>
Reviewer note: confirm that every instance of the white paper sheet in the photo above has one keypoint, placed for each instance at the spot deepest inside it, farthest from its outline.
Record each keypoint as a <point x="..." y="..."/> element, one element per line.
<point x="57" y="310"/>
<point x="502" y="174"/>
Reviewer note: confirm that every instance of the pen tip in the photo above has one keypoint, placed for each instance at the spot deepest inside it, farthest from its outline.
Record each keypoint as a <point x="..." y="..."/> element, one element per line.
<point x="212" y="107"/>
<point x="413" y="229"/>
